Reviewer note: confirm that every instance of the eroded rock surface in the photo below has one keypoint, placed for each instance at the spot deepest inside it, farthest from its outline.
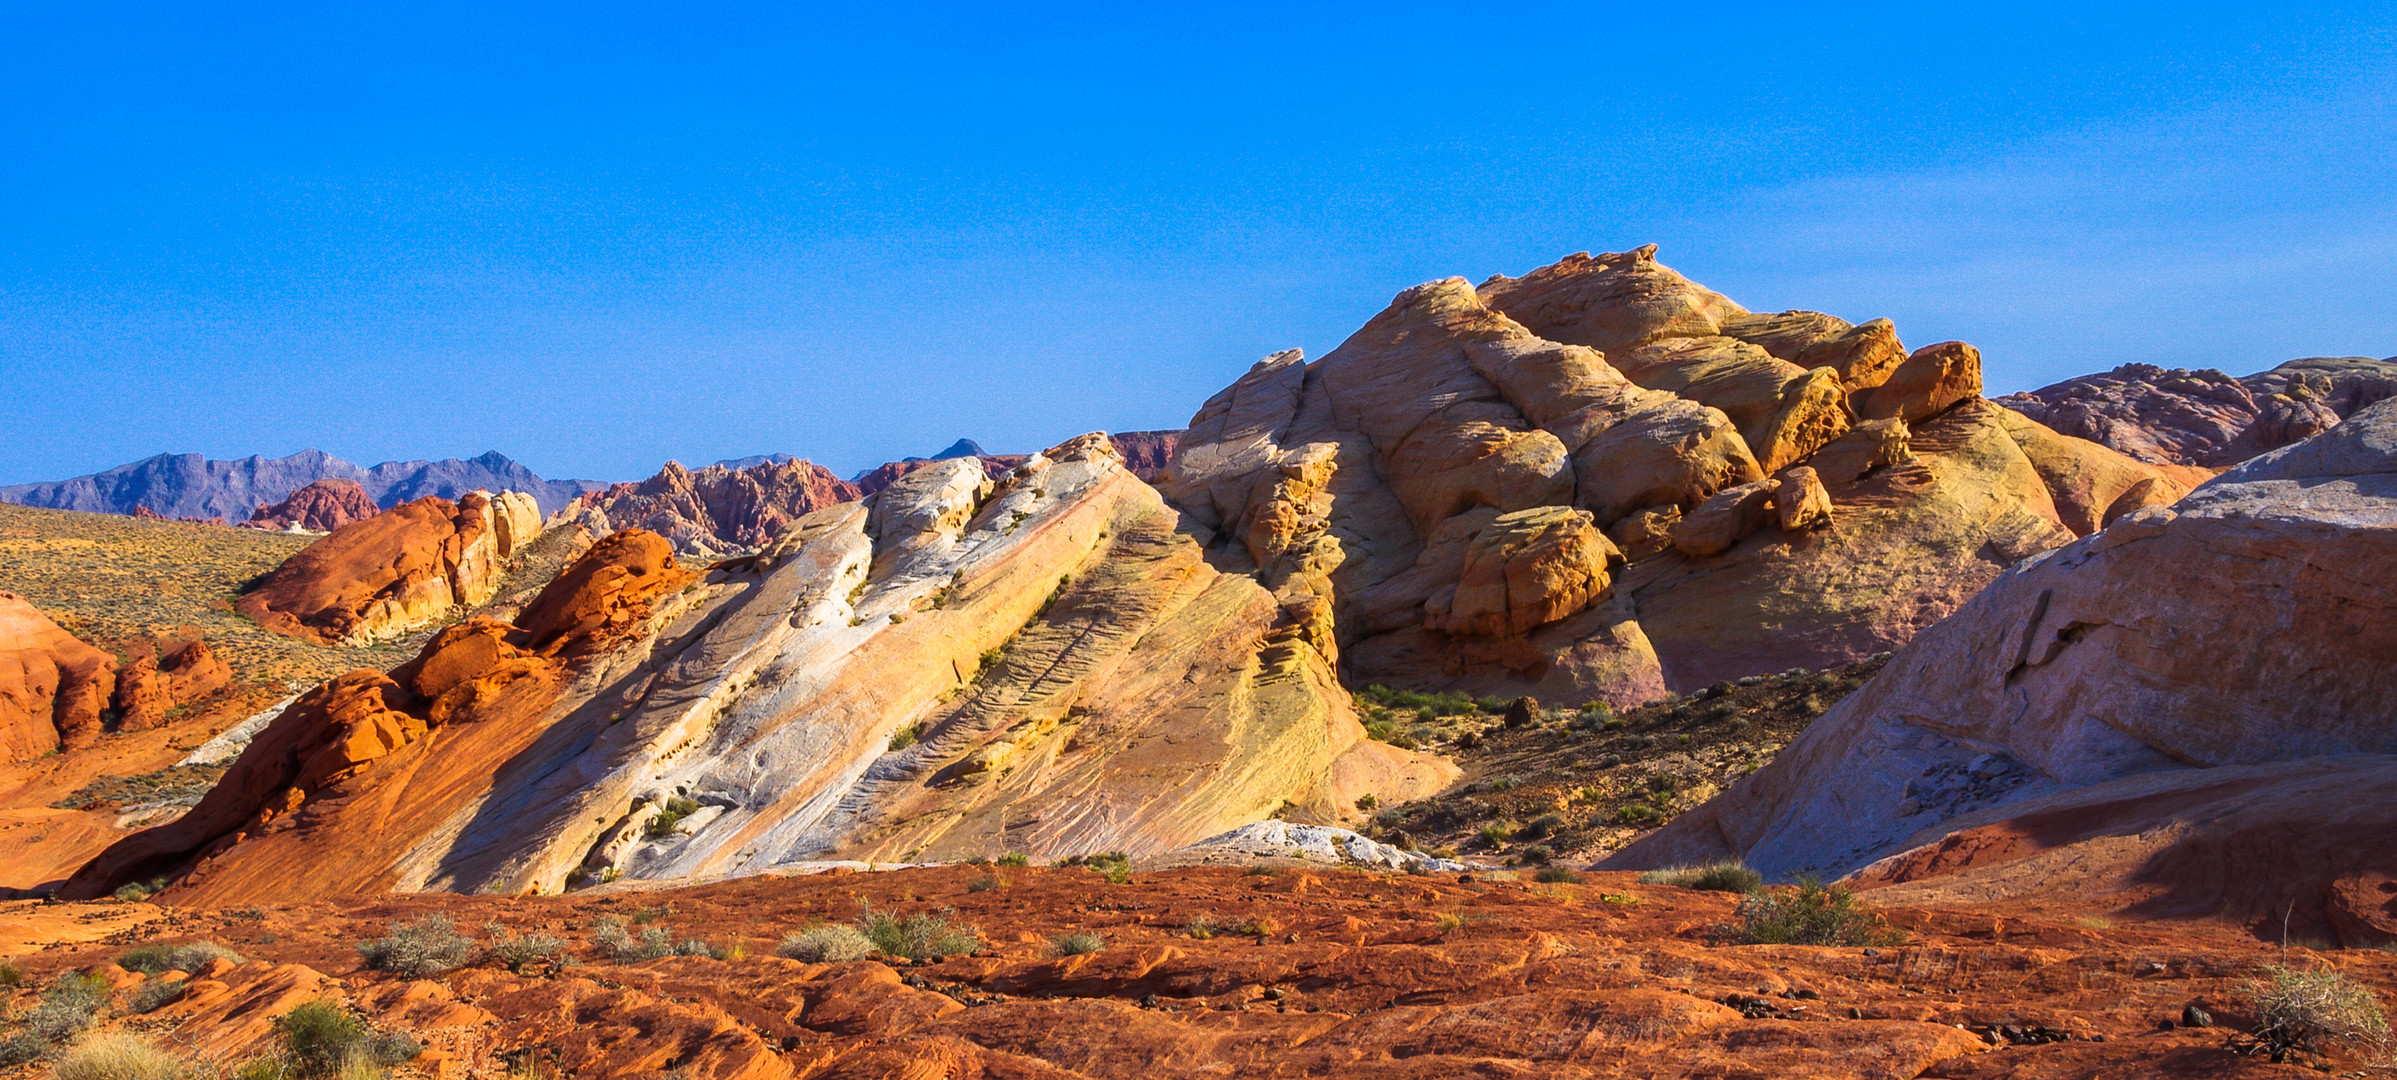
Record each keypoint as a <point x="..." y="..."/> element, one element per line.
<point x="2205" y="419"/>
<point x="716" y="511"/>
<point x="396" y="571"/>
<point x="2153" y="708"/>
<point x="53" y="686"/>
<point x="1381" y="481"/>
<point x="1047" y="664"/>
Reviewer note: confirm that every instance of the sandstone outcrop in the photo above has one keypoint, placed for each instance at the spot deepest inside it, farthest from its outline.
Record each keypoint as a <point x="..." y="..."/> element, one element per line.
<point x="717" y="511"/>
<point x="2206" y="420"/>
<point x="1047" y="664"/>
<point x="2087" y="726"/>
<point x="1366" y="482"/>
<point x="396" y="571"/>
<point x="322" y="506"/>
<point x="53" y="686"/>
<point x="158" y="676"/>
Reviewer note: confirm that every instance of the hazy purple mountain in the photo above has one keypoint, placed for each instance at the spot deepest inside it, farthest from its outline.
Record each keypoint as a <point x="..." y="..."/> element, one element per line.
<point x="188" y="485"/>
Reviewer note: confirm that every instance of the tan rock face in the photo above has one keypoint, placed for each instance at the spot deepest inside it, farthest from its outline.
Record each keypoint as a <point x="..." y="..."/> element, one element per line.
<point x="2072" y="690"/>
<point x="714" y="512"/>
<point x="391" y="573"/>
<point x="1931" y="380"/>
<point x="52" y="685"/>
<point x="1800" y="502"/>
<point x="1523" y="570"/>
<point x="1616" y="386"/>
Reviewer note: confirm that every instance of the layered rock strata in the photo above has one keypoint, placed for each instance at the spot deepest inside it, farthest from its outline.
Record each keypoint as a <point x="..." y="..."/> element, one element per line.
<point x="1046" y="664"/>
<point x="53" y="686"/>
<point x="396" y="571"/>
<point x="1773" y="489"/>
<point x="2188" y="713"/>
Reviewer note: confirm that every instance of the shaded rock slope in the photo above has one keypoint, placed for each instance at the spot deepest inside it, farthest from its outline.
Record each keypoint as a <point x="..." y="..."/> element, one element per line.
<point x="1145" y="453"/>
<point x="1602" y="481"/>
<point x="58" y="692"/>
<point x="188" y="486"/>
<point x="718" y="510"/>
<point x="1045" y="664"/>
<point x="323" y="506"/>
<point x="2189" y="713"/>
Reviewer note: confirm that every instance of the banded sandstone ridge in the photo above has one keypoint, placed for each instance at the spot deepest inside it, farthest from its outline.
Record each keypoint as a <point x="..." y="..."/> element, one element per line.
<point x="1604" y="481"/>
<point x="1069" y="673"/>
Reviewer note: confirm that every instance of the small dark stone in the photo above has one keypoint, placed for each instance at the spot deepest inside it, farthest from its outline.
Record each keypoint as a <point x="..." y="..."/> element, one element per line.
<point x="1149" y="1002"/>
<point x="2163" y="1025"/>
<point x="1273" y="994"/>
<point x="1521" y="712"/>
<point x="2192" y="1016"/>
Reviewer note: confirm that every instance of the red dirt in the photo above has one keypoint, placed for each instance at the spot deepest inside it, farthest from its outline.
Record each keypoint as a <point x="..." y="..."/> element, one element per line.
<point x="1352" y="974"/>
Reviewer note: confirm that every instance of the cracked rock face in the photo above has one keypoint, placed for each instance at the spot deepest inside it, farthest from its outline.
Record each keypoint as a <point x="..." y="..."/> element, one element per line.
<point x="2210" y="664"/>
<point x="1385" y="479"/>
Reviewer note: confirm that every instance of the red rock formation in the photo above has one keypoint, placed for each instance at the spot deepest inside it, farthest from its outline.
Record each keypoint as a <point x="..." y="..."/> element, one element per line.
<point x="323" y="506"/>
<point x="2206" y="419"/>
<point x="149" y="684"/>
<point x="716" y="511"/>
<point x="52" y="685"/>
<point x="283" y="811"/>
<point x="392" y="572"/>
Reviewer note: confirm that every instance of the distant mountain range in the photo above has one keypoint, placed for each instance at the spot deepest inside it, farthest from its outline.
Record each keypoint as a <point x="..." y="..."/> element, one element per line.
<point x="191" y="486"/>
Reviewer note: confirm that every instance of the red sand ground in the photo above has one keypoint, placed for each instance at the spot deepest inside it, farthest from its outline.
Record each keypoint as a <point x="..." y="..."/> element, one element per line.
<point x="1351" y="974"/>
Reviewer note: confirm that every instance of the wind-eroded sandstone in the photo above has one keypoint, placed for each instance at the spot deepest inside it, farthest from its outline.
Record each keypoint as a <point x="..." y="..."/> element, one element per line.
<point x="716" y="511"/>
<point x="53" y="686"/>
<point x="1047" y="664"/>
<point x="1785" y="489"/>
<point x="2144" y="719"/>
<point x="396" y="571"/>
<point x="322" y="506"/>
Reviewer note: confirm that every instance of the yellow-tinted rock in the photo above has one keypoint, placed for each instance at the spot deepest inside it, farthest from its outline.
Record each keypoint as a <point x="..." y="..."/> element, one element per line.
<point x="1725" y="519"/>
<point x="1800" y="502"/>
<point x="1525" y="569"/>
<point x="1931" y="380"/>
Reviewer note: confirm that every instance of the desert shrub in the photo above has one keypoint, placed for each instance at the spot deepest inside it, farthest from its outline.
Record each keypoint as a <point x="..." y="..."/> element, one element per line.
<point x="615" y="943"/>
<point x="1637" y="814"/>
<point x="1015" y="858"/>
<point x="65" y="1009"/>
<point x="677" y="808"/>
<point x="320" y="1038"/>
<point x="189" y="956"/>
<point x="1538" y="854"/>
<point x="903" y="738"/>
<point x="1200" y="927"/>
<point x="826" y="944"/>
<point x="117" y="1056"/>
<point x="429" y="946"/>
<point x="1810" y="914"/>
<point x="1497" y="833"/>
<point x="921" y="936"/>
<point x="1556" y="875"/>
<point x="697" y="947"/>
<point x="984" y="883"/>
<point x="155" y="995"/>
<point x="134" y="891"/>
<point x="520" y="951"/>
<point x="1543" y="825"/>
<point x="10" y="973"/>
<point x="1713" y="877"/>
<point x="1368" y="802"/>
<point x="1076" y="944"/>
<point x="2310" y="1012"/>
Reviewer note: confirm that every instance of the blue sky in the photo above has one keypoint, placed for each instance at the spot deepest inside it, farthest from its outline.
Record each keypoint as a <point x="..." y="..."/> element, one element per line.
<point x="598" y="236"/>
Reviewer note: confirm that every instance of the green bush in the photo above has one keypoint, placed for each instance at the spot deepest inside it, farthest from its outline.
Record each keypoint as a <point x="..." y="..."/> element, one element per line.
<point x="1811" y="914"/>
<point x="1497" y="833"/>
<point x="519" y="952"/>
<point x="904" y="738"/>
<point x="826" y="944"/>
<point x="921" y="936"/>
<point x="670" y="818"/>
<point x="985" y="883"/>
<point x="427" y="947"/>
<point x="1556" y="875"/>
<point x="1015" y="858"/>
<point x="1077" y="943"/>
<point x="615" y="943"/>
<point x="320" y="1038"/>
<point x="2310" y="1012"/>
<point x="10" y="973"/>
<point x="190" y="956"/>
<point x="1714" y="877"/>
<point x="117" y="1056"/>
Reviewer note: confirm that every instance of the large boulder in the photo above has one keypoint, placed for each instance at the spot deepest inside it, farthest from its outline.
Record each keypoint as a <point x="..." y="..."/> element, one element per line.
<point x="2222" y="667"/>
<point x="394" y="572"/>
